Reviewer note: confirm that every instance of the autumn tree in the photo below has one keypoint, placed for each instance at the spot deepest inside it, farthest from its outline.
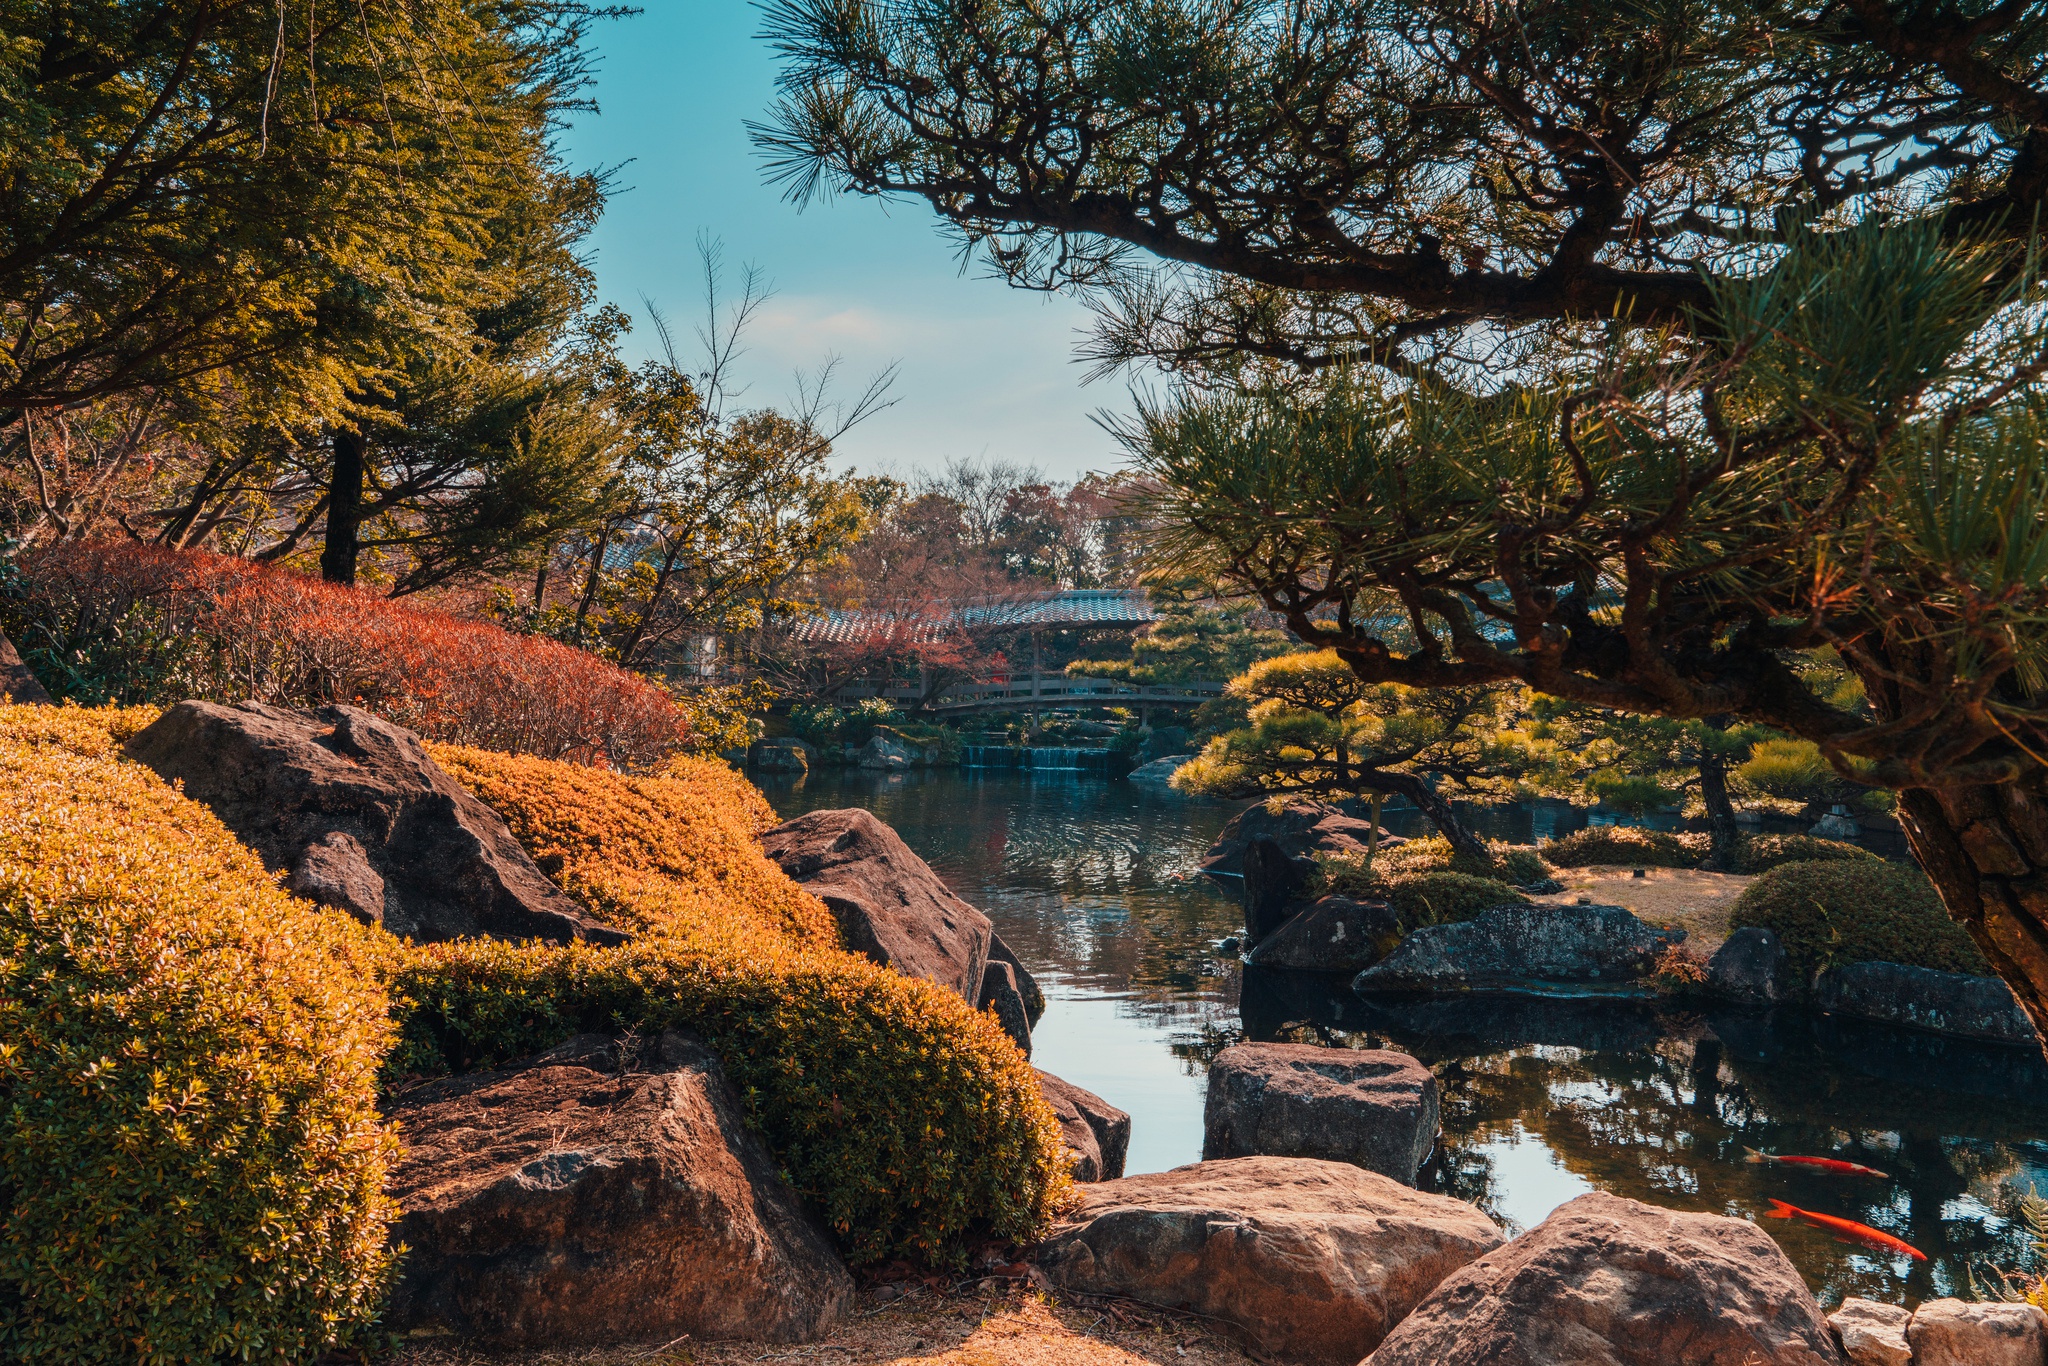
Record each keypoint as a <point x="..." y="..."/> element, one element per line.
<point x="1630" y="353"/>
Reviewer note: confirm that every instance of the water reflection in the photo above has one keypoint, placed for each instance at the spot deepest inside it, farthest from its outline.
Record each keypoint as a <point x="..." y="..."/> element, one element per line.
<point x="1095" y="885"/>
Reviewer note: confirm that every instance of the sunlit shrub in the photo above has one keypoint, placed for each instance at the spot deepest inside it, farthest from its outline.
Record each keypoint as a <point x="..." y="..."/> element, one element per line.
<point x="907" y="1118"/>
<point x="1831" y="913"/>
<point x="1761" y="853"/>
<point x="1621" y="844"/>
<point x="1503" y="862"/>
<point x="105" y="621"/>
<point x="191" y="1161"/>
<point x="1418" y="882"/>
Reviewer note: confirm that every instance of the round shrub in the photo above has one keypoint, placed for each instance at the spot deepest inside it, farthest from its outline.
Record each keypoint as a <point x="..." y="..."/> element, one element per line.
<point x="1761" y="853"/>
<point x="1622" y="844"/>
<point x="1443" y="898"/>
<point x="191" y="1160"/>
<point x="1843" y="911"/>
<point x="907" y="1118"/>
<point x="1433" y="854"/>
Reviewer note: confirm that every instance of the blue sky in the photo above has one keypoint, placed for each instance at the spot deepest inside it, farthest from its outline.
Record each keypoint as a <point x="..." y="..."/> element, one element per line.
<point x="984" y="369"/>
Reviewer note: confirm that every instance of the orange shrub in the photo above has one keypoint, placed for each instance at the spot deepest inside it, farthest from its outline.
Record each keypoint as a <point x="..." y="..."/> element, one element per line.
<point x="115" y="621"/>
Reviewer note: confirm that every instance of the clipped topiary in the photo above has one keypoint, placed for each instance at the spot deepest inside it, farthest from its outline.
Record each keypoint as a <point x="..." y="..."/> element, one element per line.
<point x="191" y="1160"/>
<point x="905" y="1117"/>
<point x="1841" y="911"/>
<point x="1445" y="898"/>
<point x="1761" y="853"/>
<point x="1503" y="862"/>
<point x="1621" y="844"/>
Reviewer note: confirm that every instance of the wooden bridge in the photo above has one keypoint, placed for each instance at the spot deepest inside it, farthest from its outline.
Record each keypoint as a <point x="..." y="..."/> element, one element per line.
<point x="1040" y="691"/>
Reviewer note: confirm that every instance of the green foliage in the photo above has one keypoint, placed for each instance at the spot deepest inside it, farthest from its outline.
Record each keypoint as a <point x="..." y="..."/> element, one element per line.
<point x="1634" y="793"/>
<point x="723" y="718"/>
<point x="191" y="1158"/>
<point x="826" y="723"/>
<point x="1193" y="641"/>
<point x="1620" y="844"/>
<point x="1761" y="853"/>
<point x="1843" y="911"/>
<point x="1420" y="896"/>
<point x="906" y="1119"/>
<point x="1794" y="770"/>
<point x="1502" y="862"/>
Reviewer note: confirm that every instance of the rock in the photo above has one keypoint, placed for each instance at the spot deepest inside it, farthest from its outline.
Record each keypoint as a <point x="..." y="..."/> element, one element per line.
<point x="780" y="755"/>
<point x="1838" y="824"/>
<point x="1314" y="1261"/>
<point x="1952" y="1333"/>
<point x="1373" y="1108"/>
<point x="18" y="683"/>
<point x="1921" y="998"/>
<point x="1299" y="827"/>
<point x="1097" y="1133"/>
<point x="1273" y="887"/>
<point x="889" y="903"/>
<point x="1510" y="946"/>
<point x="357" y="816"/>
<point x="564" y="1203"/>
<point x="999" y="995"/>
<point x="882" y="752"/>
<point x="1872" y="1334"/>
<point x="1027" y="985"/>
<point x="1607" y="1281"/>
<point x="1159" y="772"/>
<point x="1751" y="968"/>
<point x="1335" y="934"/>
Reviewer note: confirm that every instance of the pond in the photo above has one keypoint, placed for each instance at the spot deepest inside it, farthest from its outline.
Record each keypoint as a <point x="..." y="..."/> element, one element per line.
<point x="1094" y="883"/>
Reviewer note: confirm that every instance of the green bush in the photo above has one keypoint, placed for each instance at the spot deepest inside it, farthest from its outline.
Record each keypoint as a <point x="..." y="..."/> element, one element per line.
<point x="1433" y="854"/>
<point x="1420" y="892"/>
<point x="1761" y="853"/>
<point x="907" y="1119"/>
<point x="1843" y="911"/>
<point x="191" y="1159"/>
<point x="1621" y="844"/>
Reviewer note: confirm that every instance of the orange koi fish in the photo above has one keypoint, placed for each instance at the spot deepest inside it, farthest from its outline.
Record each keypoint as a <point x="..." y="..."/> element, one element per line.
<point x="1834" y="1166"/>
<point x="1848" y="1228"/>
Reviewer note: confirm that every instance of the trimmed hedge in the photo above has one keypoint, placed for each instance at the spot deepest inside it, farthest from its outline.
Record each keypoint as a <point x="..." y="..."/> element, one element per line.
<point x="1421" y="881"/>
<point x="907" y="1118"/>
<point x="1503" y="862"/>
<point x="1623" y="844"/>
<point x="1841" y="911"/>
<point x="1761" y="853"/>
<point x="191" y="1160"/>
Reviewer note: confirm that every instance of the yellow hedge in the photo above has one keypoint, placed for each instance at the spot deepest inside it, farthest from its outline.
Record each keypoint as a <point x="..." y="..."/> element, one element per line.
<point x="907" y="1118"/>
<point x="191" y="1160"/>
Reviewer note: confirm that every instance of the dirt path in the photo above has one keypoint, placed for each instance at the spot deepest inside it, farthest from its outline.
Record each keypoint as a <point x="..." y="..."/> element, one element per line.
<point x="1680" y="897"/>
<point x="926" y="1328"/>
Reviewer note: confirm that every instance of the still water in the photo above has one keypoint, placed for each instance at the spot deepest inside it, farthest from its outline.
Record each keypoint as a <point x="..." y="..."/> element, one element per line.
<point x="1094" y="883"/>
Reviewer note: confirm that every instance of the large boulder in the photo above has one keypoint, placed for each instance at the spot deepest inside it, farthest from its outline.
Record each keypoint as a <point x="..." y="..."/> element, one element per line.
<point x="1956" y="1333"/>
<point x="356" y="815"/>
<point x="1273" y="889"/>
<point x="1098" y="1135"/>
<point x="884" y="753"/>
<point x="565" y="1203"/>
<point x="1158" y="772"/>
<point x="780" y="754"/>
<point x="889" y="903"/>
<point x="1921" y="998"/>
<point x="1371" y="1107"/>
<point x="1300" y="827"/>
<point x="1314" y="1261"/>
<point x="1027" y="985"/>
<point x="1335" y="934"/>
<point x="1510" y="946"/>
<point x="1751" y="968"/>
<point x="1607" y="1281"/>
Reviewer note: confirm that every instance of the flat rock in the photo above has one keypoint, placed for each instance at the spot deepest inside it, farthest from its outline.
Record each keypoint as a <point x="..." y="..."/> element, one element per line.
<point x="1510" y="946"/>
<point x="889" y="903"/>
<point x="1953" y="1333"/>
<point x="1335" y="934"/>
<point x="1873" y="1334"/>
<point x="1313" y="1261"/>
<point x="1607" y="1281"/>
<point x="1373" y="1108"/>
<point x="562" y="1202"/>
<point x="355" y="814"/>
<point x="1300" y="827"/>
<point x="1921" y="998"/>
<point x="1098" y="1135"/>
<point x="1751" y="969"/>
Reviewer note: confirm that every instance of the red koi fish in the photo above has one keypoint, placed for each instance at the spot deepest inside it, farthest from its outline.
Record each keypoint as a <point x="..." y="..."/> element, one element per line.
<point x="1848" y="1228"/>
<point x="1833" y="1166"/>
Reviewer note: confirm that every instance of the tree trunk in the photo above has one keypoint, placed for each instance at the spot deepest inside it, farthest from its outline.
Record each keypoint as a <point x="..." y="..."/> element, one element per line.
<point x="593" y="578"/>
<point x="345" y="507"/>
<point x="1720" y="811"/>
<point x="1438" y="810"/>
<point x="1986" y="848"/>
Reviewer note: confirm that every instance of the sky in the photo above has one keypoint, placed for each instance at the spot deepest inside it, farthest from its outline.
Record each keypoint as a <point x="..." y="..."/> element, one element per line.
<point x="984" y="370"/>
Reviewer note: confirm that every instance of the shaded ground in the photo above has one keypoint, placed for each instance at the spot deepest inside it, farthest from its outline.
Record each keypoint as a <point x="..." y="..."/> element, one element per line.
<point x="999" y="1328"/>
<point x="1683" y="898"/>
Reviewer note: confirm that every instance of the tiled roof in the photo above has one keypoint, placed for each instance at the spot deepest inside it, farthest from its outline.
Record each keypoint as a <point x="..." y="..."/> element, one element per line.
<point x="1089" y="608"/>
